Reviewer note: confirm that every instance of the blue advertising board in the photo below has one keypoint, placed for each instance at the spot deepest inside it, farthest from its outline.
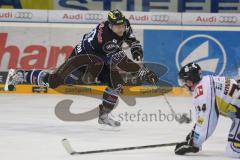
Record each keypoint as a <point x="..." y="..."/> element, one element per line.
<point x="210" y="6"/>
<point x="217" y="52"/>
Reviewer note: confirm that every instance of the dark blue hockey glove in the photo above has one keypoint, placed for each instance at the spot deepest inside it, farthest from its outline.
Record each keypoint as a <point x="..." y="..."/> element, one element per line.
<point x="137" y="52"/>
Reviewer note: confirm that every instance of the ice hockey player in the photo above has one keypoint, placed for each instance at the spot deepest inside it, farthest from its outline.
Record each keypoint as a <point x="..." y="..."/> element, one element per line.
<point x="101" y="50"/>
<point x="212" y="96"/>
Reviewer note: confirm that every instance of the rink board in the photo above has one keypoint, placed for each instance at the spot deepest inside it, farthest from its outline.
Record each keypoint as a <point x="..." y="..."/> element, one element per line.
<point x="142" y="91"/>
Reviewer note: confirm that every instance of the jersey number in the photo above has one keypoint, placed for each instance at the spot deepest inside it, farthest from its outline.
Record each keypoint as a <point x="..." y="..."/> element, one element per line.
<point x="234" y="92"/>
<point x="91" y="35"/>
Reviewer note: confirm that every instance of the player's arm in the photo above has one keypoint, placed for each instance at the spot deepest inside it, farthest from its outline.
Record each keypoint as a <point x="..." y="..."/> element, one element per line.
<point x="207" y="117"/>
<point x="120" y="60"/>
<point x="130" y="39"/>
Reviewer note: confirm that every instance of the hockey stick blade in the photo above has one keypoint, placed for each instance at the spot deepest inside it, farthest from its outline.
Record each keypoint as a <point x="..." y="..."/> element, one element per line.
<point x="67" y="146"/>
<point x="69" y="149"/>
<point x="183" y="119"/>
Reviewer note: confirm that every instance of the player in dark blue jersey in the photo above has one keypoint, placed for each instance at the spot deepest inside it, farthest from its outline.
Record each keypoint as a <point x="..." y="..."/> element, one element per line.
<point x="97" y="58"/>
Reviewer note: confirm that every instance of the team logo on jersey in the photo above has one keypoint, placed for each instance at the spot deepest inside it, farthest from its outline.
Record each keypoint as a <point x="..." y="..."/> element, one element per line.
<point x="110" y="47"/>
<point x="114" y="41"/>
<point x="200" y="121"/>
<point x="198" y="91"/>
<point x="205" y="50"/>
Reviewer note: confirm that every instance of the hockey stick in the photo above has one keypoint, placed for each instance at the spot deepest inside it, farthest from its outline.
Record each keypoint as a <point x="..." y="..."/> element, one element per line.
<point x="183" y="118"/>
<point x="68" y="148"/>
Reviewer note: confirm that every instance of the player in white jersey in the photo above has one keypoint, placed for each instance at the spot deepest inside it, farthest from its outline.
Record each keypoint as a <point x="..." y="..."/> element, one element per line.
<point x="212" y="96"/>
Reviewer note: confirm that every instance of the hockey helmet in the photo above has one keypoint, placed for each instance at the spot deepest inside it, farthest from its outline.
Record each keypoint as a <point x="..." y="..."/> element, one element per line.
<point x="116" y="17"/>
<point x="191" y="71"/>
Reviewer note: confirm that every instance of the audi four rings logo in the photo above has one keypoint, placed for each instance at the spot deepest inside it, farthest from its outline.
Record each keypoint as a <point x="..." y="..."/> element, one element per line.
<point x="228" y="19"/>
<point x="160" y="18"/>
<point x="93" y="16"/>
<point x="24" y="15"/>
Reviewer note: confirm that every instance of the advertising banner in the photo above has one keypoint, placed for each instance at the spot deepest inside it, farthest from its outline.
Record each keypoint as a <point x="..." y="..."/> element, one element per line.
<point x="211" y="19"/>
<point x="27" y="4"/>
<point x="143" y="18"/>
<point x="217" y="52"/>
<point x="41" y="46"/>
<point x="36" y="48"/>
<point x="18" y="15"/>
<point x="202" y="6"/>
<point x="77" y="16"/>
<point x="98" y="16"/>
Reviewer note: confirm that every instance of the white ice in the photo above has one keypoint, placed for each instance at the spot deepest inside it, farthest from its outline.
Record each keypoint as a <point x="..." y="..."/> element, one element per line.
<point x="29" y="130"/>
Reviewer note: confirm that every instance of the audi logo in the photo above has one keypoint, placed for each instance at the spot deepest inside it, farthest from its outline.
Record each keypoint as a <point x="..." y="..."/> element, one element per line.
<point x="93" y="16"/>
<point x="228" y="19"/>
<point x="24" y="15"/>
<point x="160" y="18"/>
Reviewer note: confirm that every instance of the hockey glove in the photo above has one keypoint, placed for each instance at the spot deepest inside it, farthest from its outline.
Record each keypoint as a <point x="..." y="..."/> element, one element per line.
<point x="149" y="76"/>
<point x="137" y="52"/>
<point x="187" y="146"/>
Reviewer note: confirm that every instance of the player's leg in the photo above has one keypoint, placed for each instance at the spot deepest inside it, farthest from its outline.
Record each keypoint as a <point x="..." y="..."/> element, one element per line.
<point x="110" y="96"/>
<point x="110" y="99"/>
<point x="110" y="74"/>
<point x="233" y="145"/>
<point x="93" y="65"/>
<point x="40" y="77"/>
<point x="37" y="77"/>
<point x="76" y="76"/>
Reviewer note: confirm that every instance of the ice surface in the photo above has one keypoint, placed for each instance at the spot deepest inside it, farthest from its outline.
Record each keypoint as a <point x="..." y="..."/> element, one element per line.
<point x="29" y="130"/>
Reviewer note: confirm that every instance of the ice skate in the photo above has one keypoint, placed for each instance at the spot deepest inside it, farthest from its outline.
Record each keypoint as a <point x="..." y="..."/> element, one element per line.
<point x="14" y="77"/>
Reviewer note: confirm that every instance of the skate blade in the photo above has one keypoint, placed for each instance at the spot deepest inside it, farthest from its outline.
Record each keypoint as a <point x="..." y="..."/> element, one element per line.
<point x="105" y="127"/>
<point x="10" y="73"/>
